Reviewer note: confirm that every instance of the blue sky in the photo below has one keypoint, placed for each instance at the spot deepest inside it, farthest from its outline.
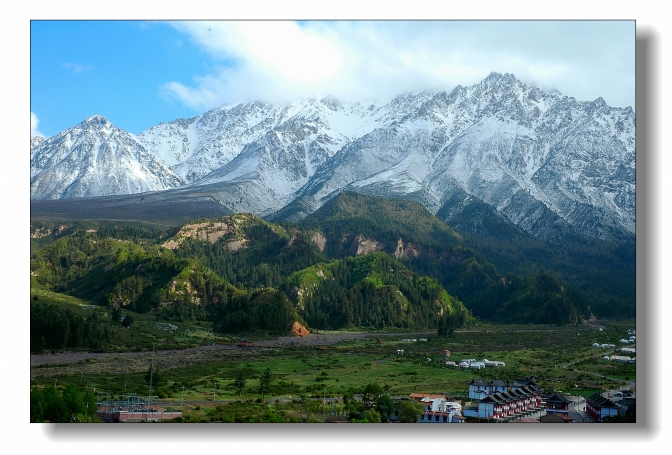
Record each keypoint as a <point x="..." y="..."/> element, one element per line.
<point x="115" y="69"/>
<point x="138" y="73"/>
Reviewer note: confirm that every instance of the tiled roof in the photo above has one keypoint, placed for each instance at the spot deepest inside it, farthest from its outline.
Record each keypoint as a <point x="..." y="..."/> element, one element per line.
<point x="507" y="397"/>
<point x="558" y="399"/>
<point x="523" y="382"/>
<point x="419" y="396"/>
<point x="599" y="401"/>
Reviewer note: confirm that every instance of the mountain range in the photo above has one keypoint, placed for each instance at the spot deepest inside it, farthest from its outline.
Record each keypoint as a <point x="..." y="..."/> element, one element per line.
<point x="535" y="161"/>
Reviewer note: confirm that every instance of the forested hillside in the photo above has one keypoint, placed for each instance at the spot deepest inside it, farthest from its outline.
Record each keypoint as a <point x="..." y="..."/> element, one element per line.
<point x="374" y="291"/>
<point x="359" y="261"/>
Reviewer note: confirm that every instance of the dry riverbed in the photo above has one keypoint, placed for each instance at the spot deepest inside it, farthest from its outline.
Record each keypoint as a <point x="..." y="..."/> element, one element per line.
<point x="67" y="363"/>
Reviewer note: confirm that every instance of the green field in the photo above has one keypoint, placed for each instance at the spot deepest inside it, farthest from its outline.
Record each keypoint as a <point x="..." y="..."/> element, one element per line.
<point x="302" y="373"/>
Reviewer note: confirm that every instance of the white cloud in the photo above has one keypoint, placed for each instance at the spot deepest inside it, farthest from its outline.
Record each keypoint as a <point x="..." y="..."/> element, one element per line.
<point x="77" y="68"/>
<point x="283" y="61"/>
<point x="34" y="122"/>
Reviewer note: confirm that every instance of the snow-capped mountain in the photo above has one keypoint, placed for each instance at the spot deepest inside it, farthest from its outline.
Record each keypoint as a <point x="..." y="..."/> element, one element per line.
<point x="297" y="140"/>
<point x="92" y="159"/>
<point x="197" y="146"/>
<point x="538" y="159"/>
<point x="35" y="141"/>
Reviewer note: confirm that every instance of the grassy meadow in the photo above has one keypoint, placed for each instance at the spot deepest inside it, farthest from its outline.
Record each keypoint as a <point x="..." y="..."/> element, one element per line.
<point x="560" y="357"/>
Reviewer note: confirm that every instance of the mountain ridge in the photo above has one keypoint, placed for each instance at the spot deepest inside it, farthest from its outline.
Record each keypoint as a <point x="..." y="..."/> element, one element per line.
<point x="543" y="161"/>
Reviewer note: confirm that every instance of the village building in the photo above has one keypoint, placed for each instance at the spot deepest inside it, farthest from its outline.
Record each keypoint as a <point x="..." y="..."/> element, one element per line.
<point x="509" y="405"/>
<point x="478" y="389"/>
<point x="620" y="358"/>
<point x="519" y="383"/>
<point x="599" y="407"/>
<point x="131" y="408"/>
<point x="427" y="398"/>
<point x="557" y="404"/>
<point x="440" y="410"/>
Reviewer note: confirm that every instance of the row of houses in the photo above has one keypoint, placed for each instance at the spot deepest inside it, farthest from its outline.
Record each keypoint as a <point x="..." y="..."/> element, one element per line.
<point x="477" y="364"/>
<point x="620" y="358"/>
<point x="518" y="401"/>
<point x="479" y="388"/>
<point x="507" y="405"/>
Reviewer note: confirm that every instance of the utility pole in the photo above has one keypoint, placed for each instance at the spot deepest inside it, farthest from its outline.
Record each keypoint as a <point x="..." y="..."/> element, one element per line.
<point x="182" y="396"/>
<point x="151" y="372"/>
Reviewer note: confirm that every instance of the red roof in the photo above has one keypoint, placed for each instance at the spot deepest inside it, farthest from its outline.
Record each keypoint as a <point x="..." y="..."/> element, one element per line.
<point x="420" y="396"/>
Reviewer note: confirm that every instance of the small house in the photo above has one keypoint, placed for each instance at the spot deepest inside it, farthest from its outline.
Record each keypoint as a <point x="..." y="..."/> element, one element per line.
<point x="442" y="411"/>
<point x="599" y="407"/>
<point x="557" y="404"/>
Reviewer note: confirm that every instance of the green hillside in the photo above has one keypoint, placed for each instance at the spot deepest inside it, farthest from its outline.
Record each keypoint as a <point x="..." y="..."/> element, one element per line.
<point x="372" y="291"/>
<point x="359" y="261"/>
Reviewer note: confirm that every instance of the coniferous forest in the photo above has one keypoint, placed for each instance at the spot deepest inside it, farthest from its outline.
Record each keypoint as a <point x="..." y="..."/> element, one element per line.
<point x="358" y="262"/>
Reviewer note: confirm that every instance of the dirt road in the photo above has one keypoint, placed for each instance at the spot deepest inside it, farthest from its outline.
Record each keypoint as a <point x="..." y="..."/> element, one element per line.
<point x="76" y="362"/>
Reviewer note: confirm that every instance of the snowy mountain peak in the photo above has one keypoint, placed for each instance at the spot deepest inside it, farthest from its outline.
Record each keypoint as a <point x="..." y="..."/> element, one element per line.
<point x="95" y="158"/>
<point x="332" y="103"/>
<point x="537" y="158"/>
<point x="96" y="121"/>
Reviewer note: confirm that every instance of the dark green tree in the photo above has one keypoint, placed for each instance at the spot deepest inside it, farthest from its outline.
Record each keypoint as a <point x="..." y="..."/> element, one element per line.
<point x="116" y="314"/>
<point x="239" y="382"/>
<point x="265" y="382"/>
<point x="128" y="320"/>
<point x="410" y="411"/>
<point x="74" y="401"/>
<point x="70" y="405"/>
<point x="385" y="406"/>
<point x="351" y="406"/>
<point x="372" y="416"/>
<point x="630" y="416"/>
<point x="372" y="392"/>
